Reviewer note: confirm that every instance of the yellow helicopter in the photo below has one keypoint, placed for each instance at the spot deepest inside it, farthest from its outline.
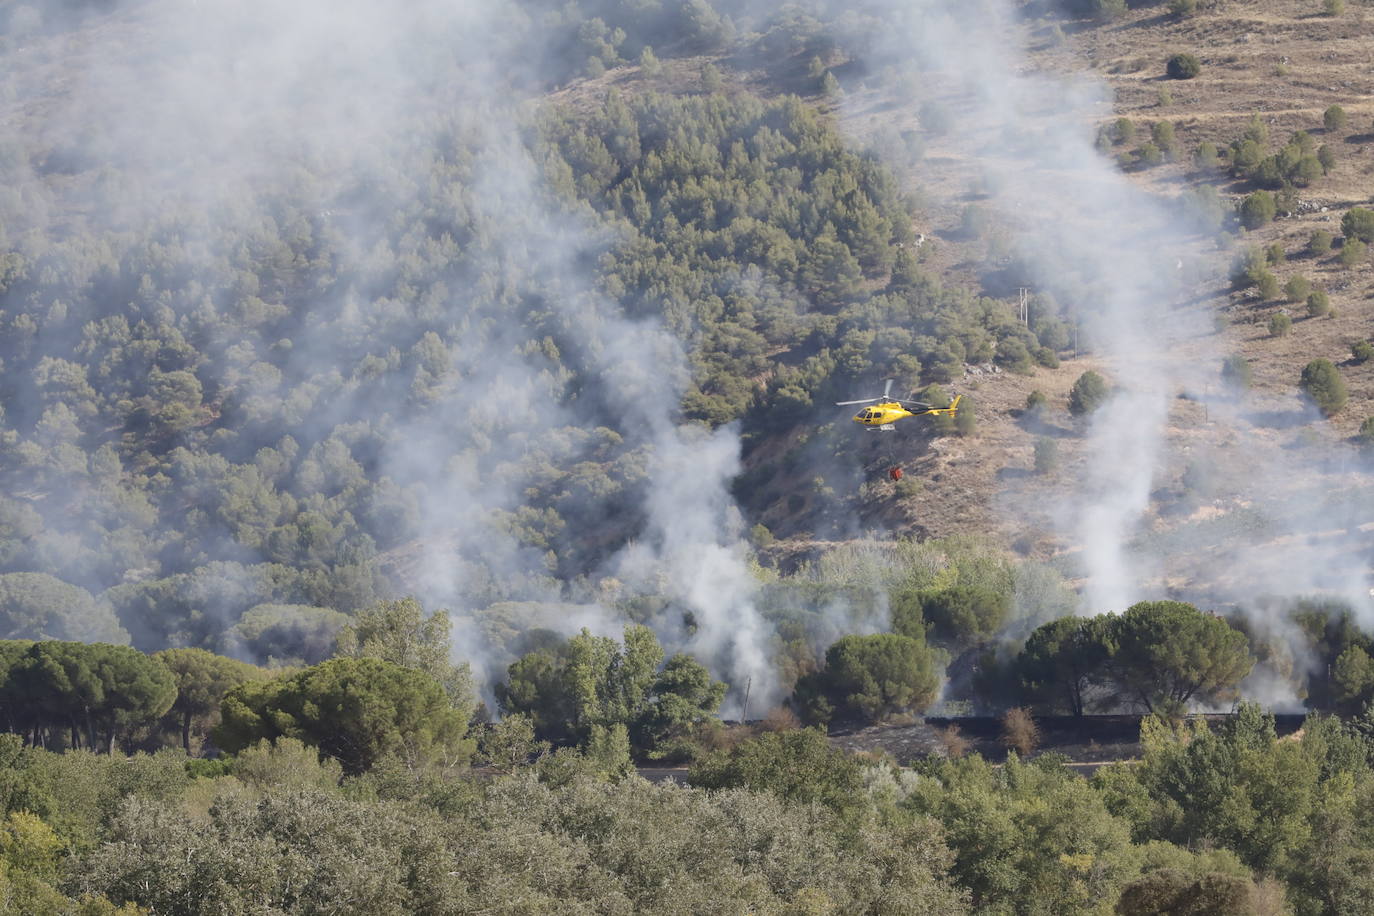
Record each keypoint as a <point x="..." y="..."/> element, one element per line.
<point x="888" y="410"/>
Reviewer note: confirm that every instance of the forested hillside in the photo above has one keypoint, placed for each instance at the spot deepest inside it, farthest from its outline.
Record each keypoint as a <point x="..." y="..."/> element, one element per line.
<point x="415" y="420"/>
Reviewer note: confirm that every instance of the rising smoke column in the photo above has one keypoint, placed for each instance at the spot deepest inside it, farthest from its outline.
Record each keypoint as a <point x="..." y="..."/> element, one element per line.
<point x="208" y="107"/>
<point x="1113" y="255"/>
<point x="1085" y="234"/>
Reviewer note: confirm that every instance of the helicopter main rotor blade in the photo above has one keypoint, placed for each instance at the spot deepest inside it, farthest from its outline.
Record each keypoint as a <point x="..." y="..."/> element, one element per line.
<point x="887" y="389"/>
<point x="922" y="404"/>
<point x="864" y="401"/>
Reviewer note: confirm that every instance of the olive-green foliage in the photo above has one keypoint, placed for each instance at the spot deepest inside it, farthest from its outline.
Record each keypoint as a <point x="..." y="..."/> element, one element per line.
<point x="1087" y="393"/>
<point x="80" y="792"/>
<point x="1329" y="628"/>
<point x="1013" y="354"/>
<point x="1326" y="158"/>
<point x="1333" y="118"/>
<point x="1333" y="8"/>
<point x="285" y="764"/>
<point x="1354" y="252"/>
<point x="358" y="711"/>
<point x="1182" y="67"/>
<point x="958" y="615"/>
<point x="797" y="765"/>
<point x="591" y="683"/>
<point x="1280" y="324"/>
<point x="170" y="423"/>
<point x="1352" y="680"/>
<point x="1267" y="285"/>
<point x="1164" y="654"/>
<point x="685" y="697"/>
<point x="1162" y="133"/>
<point x="1358" y="222"/>
<point x="1320" y="243"/>
<point x="83" y="695"/>
<point x="871" y="678"/>
<point x="402" y="633"/>
<point x="966" y="418"/>
<point x="1256" y="209"/>
<point x="521" y="846"/>
<point x="507" y="745"/>
<point x="1028" y="838"/>
<point x="1361" y="351"/>
<point x="1298" y="163"/>
<point x="1062" y="661"/>
<point x="1297" y="288"/>
<point x="699" y="196"/>
<point x="1318" y="303"/>
<point x="1168" y="890"/>
<point x="202" y="680"/>
<point x="1321" y="381"/>
<point x="1281" y="806"/>
<point x="1248" y="266"/>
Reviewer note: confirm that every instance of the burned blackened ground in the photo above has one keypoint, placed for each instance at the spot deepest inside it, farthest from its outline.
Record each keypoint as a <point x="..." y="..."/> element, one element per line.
<point x="1085" y="741"/>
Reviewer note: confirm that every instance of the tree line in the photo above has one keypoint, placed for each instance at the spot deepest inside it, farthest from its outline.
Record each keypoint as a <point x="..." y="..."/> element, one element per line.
<point x="1229" y="820"/>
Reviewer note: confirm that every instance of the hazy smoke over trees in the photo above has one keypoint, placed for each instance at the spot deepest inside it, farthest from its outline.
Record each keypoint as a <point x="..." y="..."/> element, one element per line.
<point x="428" y="328"/>
<point x="307" y="305"/>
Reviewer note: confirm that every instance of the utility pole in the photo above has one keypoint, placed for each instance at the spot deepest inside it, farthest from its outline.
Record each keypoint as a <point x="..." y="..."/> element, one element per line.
<point x="744" y="713"/>
<point x="1024" y="312"/>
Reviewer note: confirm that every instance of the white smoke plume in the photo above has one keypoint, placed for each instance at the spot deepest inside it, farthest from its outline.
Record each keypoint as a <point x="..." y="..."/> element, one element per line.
<point x="373" y="114"/>
<point x="1292" y="520"/>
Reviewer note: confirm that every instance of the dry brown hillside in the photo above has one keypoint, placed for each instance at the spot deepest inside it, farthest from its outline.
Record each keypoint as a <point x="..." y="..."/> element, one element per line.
<point x="1279" y="60"/>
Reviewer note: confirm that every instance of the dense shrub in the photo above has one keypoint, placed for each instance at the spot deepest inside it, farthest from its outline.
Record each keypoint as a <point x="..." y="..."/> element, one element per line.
<point x="1087" y="393"/>
<point x="1353" y="253"/>
<point x="1318" y="303"/>
<point x="1183" y="67"/>
<point x="1358" y="222"/>
<point x="1322" y="383"/>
